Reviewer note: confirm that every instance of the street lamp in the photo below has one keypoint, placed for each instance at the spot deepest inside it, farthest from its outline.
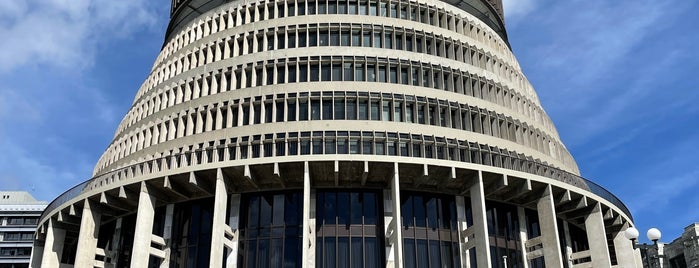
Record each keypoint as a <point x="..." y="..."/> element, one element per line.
<point x="654" y="235"/>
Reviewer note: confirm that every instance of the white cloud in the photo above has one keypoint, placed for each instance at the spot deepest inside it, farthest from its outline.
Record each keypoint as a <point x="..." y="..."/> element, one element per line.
<point x="517" y="9"/>
<point x="64" y="33"/>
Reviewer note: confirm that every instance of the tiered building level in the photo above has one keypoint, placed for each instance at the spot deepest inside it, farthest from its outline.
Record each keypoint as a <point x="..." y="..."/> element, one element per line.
<point x="350" y="133"/>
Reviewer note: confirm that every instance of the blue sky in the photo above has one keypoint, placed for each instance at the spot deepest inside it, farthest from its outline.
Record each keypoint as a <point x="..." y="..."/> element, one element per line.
<point x="618" y="78"/>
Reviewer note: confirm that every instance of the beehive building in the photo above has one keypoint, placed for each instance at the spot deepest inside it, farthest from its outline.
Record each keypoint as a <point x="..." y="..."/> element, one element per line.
<point x="335" y="133"/>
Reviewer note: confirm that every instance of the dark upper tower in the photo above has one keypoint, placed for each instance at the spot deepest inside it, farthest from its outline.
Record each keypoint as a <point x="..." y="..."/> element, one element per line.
<point x="489" y="11"/>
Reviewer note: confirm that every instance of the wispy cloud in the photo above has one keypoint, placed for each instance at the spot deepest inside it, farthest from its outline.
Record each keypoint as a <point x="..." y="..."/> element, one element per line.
<point x="64" y="33"/>
<point x="53" y="114"/>
<point x="516" y="10"/>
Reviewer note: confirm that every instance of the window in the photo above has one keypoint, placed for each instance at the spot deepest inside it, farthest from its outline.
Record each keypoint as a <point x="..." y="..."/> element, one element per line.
<point x="424" y="217"/>
<point x="348" y="229"/>
<point x="271" y="235"/>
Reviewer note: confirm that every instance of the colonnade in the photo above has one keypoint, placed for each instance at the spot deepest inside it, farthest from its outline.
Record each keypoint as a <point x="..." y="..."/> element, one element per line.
<point x="226" y="228"/>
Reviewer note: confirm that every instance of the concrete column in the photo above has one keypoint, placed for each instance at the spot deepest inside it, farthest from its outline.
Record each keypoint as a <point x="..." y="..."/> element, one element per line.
<point x="87" y="237"/>
<point x="37" y="255"/>
<point x="480" y="223"/>
<point x="462" y="223"/>
<point x="597" y="237"/>
<point x="569" y="248"/>
<point x="53" y="245"/>
<point x="114" y="250"/>
<point x="144" y="228"/>
<point x="233" y="222"/>
<point x="167" y="234"/>
<point x="392" y="222"/>
<point x="624" y="250"/>
<point x="308" y="244"/>
<point x="521" y="216"/>
<point x="549" y="229"/>
<point x="219" y="221"/>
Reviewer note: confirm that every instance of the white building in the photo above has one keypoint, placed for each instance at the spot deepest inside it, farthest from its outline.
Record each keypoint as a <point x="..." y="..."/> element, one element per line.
<point x="19" y="215"/>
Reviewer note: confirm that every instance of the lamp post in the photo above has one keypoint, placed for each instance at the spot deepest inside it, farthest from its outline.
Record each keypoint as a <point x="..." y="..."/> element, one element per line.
<point x="654" y="235"/>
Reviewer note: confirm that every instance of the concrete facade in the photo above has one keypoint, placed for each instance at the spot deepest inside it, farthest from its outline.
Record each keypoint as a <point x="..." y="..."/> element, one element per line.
<point x="389" y="134"/>
<point x="680" y="253"/>
<point x="19" y="216"/>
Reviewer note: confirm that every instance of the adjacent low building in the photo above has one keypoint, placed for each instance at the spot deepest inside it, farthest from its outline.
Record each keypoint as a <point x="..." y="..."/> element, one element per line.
<point x="683" y="251"/>
<point x="19" y="216"/>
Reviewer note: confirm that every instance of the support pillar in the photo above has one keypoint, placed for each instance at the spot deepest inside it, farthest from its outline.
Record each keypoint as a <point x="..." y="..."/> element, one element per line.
<point x="144" y="228"/>
<point x="597" y="237"/>
<point x="87" y="237"/>
<point x="569" y="248"/>
<point x="392" y="222"/>
<point x="167" y="234"/>
<point x="233" y="222"/>
<point x="523" y="237"/>
<point x="549" y="229"/>
<point x="308" y="245"/>
<point x="480" y="223"/>
<point x="625" y="254"/>
<point x="53" y="247"/>
<point x="37" y="255"/>
<point x="219" y="222"/>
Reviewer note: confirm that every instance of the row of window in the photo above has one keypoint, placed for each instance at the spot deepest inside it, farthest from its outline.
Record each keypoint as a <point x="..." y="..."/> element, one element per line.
<point x="358" y="69"/>
<point x="15" y="252"/>
<point x="405" y="10"/>
<point x="343" y="142"/>
<point x="19" y="221"/>
<point x="336" y="34"/>
<point x="325" y="69"/>
<point x="339" y="106"/>
<point x="17" y="236"/>
<point x="400" y="72"/>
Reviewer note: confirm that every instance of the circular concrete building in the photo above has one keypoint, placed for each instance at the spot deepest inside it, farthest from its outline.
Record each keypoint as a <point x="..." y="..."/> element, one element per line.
<point x="350" y="133"/>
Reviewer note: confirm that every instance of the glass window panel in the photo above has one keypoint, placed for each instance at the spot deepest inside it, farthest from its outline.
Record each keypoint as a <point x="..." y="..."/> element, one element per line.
<point x="337" y="72"/>
<point x="343" y="208"/>
<point x="357" y="252"/>
<point x="372" y="252"/>
<point x="266" y="211"/>
<point x="374" y="110"/>
<point x="370" y="205"/>
<point x="409" y="253"/>
<point x="356" y="208"/>
<point x="343" y="252"/>
<point x="366" y="38"/>
<point x="422" y="254"/>
<point x="367" y="147"/>
<point x="291" y="252"/>
<point x="359" y="72"/>
<point x="334" y="38"/>
<point x="315" y="109"/>
<point x="419" y="207"/>
<point x="253" y="212"/>
<point x="363" y="109"/>
<point x="385" y="111"/>
<point x="329" y="252"/>
<point x="303" y="110"/>
<point x="330" y="147"/>
<point x="380" y="148"/>
<point x="276" y="253"/>
<point x="351" y="109"/>
<point x="329" y="208"/>
<point x="317" y="147"/>
<point x="327" y="109"/>
<point x="339" y="109"/>
<point x="435" y="256"/>
<point x="432" y="213"/>
<point x="263" y="253"/>
<point x="407" y="211"/>
<point x="251" y="253"/>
